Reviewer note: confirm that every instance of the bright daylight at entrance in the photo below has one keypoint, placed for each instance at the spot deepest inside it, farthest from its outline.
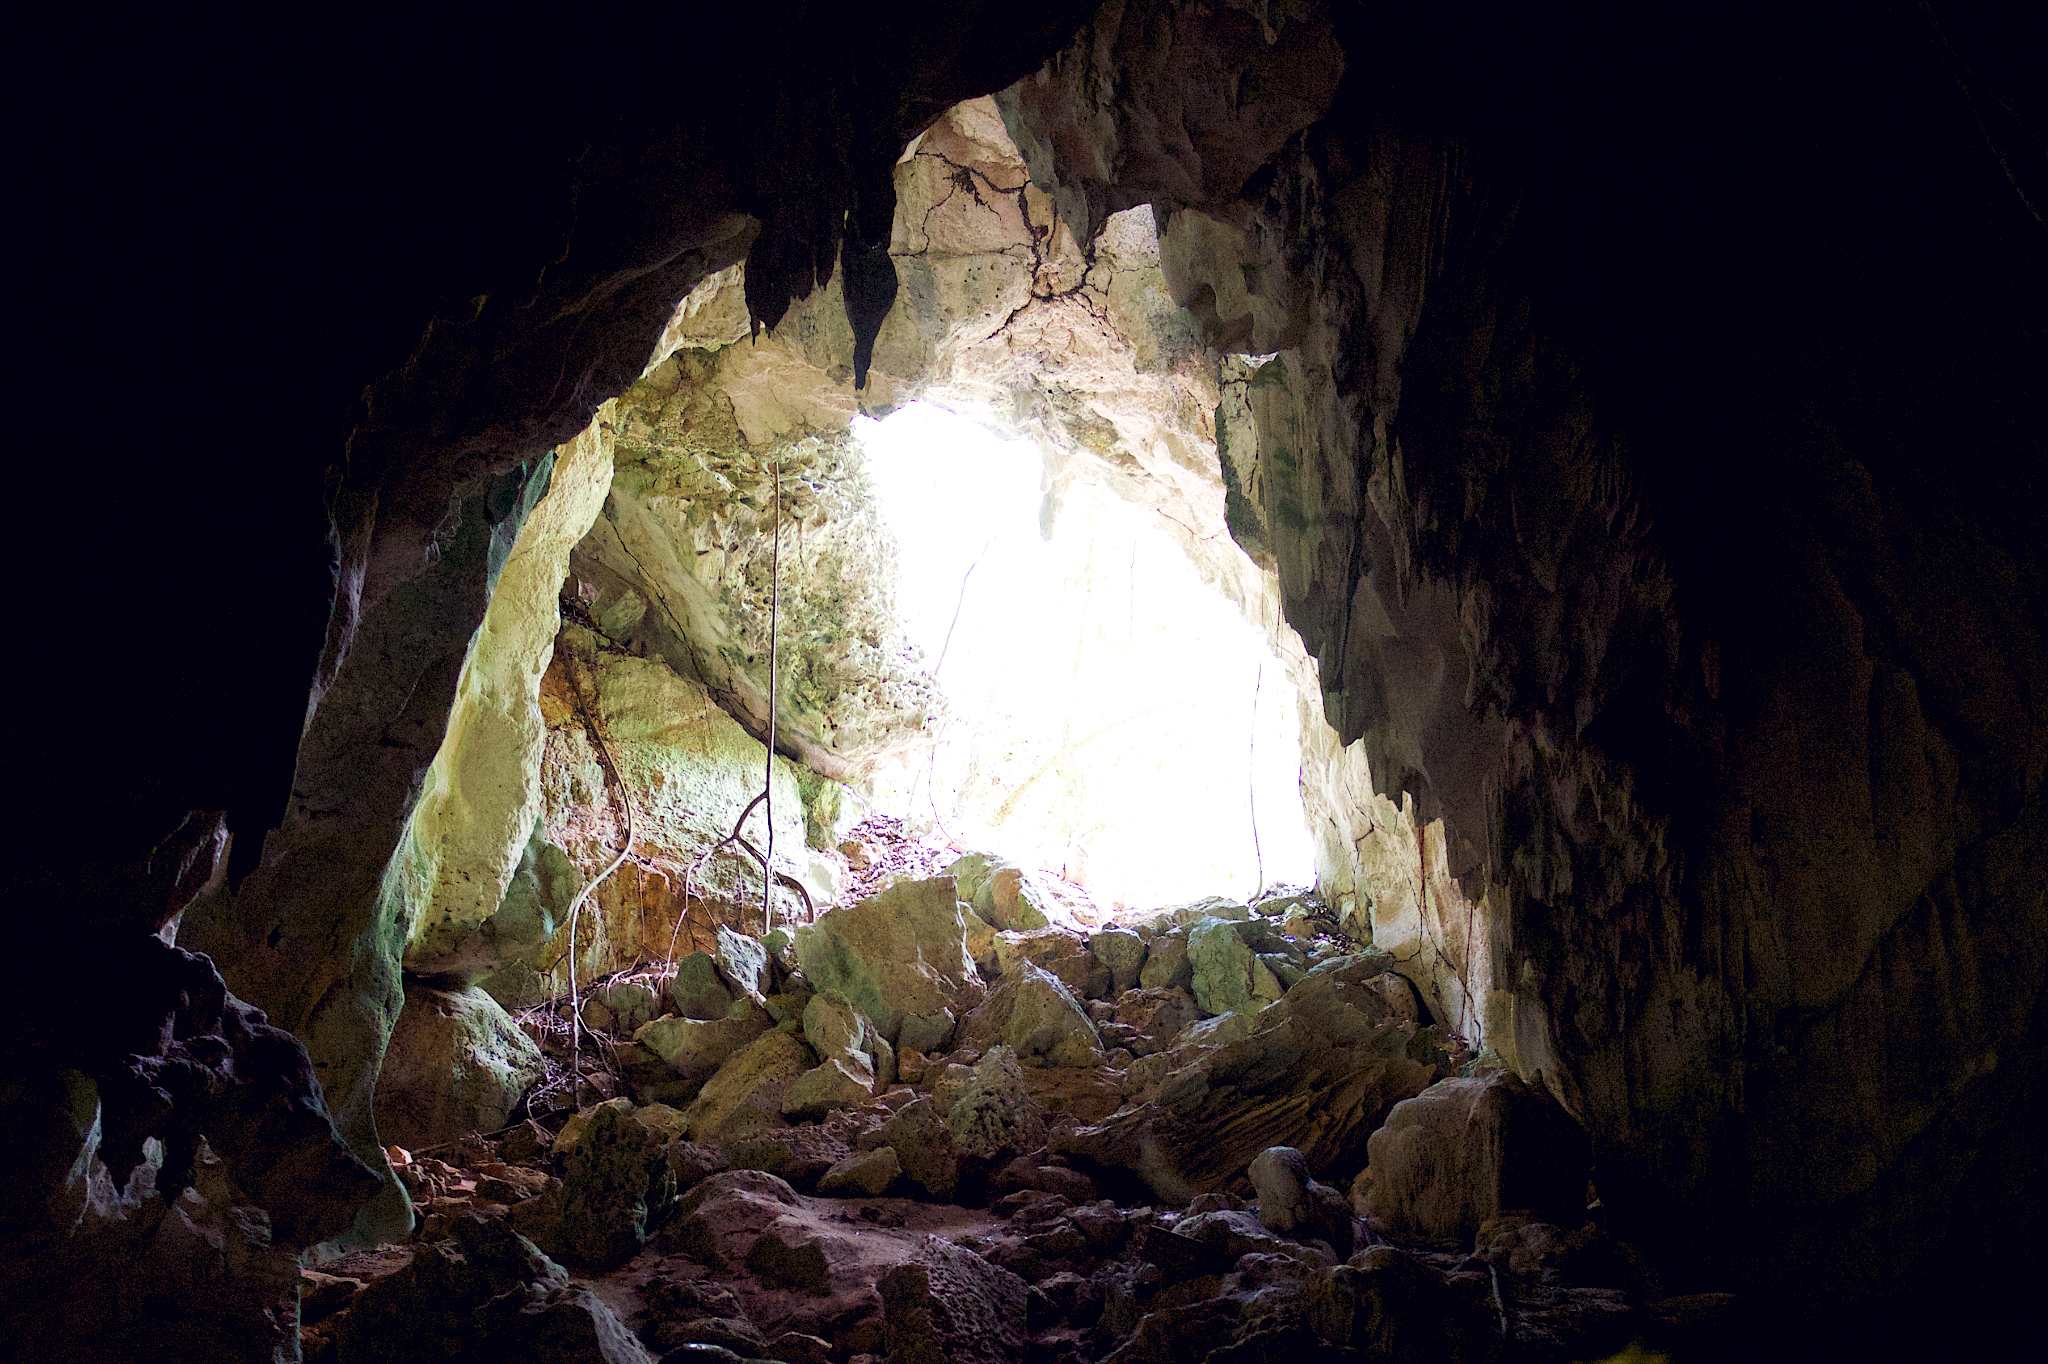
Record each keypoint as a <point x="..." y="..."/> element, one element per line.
<point x="1105" y="714"/>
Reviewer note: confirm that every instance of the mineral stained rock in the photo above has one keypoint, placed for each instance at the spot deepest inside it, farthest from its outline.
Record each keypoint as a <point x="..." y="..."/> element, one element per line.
<point x="903" y="952"/>
<point x="456" y="1064"/>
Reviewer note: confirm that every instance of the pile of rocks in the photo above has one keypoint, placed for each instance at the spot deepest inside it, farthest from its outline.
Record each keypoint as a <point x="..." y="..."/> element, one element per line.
<point x="909" y="1133"/>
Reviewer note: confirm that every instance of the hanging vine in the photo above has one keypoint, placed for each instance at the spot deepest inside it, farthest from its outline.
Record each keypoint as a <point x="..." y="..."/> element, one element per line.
<point x="616" y="783"/>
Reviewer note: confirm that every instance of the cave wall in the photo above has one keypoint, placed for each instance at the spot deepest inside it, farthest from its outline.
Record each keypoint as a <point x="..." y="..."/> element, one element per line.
<point x="1640" y="542"/>
<point x="1676" y="520"/>
<point x="389" y="300"/>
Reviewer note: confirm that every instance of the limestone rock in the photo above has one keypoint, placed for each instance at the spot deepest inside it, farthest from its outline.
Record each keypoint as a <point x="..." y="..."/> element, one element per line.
<point x="475" y="823"/>
<point x="923" y="1142"/>
<point x="1123" y="952"/>
<point x="866" y="1172"/>
<point x="1294" y="1203"/>
<point x="718" y="1221"/>
<point x="487" y="1296"/>
<point x="1318" y="1071"/>
<point x="835" y="1029"/>
<point x="1158" y="1015"/>
<point x="696" y="988"/>
<point x="981" y="942"/>
<point x="994" y="1113"/>
<point x="1213" y="907"/>
<point x="457" y="1064"/>
<point x="793" y="1252"/>
<point x="743" y="962"/>
<point x="1011" y="901"/>
<point x="615" y="1182"/>
<point x="1060" y="952"/>
<point x="1466" y="1150"/>
<point x="901" y="952"/>
<point x="1221" y="965"/>
<point x="971" y="872"/>
<point x="928" y="1033"/>
<point x="620" y="1007"/>
<point x="837" y="1083"/>
<point x="690" y="768"/>
<point x="1167" y="965"/>
<point x="748" y="1089"/>
<point x="1266" y="986"/>
<point x="950" y="1306"/>
<point x="800" y="1154"/>
<point x="694" y="1049"/>
<point x="1035" y="1015"/>
<point x="663" y="1121"/>
<point x="1386" y="1304"/>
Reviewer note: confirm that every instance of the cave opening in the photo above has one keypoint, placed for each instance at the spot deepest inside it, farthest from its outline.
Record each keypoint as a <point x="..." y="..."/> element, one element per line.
<point x="1103" y="713"/>
<point x="498" y="958"/>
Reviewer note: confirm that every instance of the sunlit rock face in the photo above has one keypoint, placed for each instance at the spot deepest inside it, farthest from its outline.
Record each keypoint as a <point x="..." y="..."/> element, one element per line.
<point x="683" y="562"/>
<point x="482" y="795"/>
<point x="1708" y="691"/>
<point x="1002" y="316"/>
<point x="689" y="769"/>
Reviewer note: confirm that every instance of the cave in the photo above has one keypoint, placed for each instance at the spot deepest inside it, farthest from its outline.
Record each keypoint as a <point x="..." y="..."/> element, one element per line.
<point x="510" y="880"/>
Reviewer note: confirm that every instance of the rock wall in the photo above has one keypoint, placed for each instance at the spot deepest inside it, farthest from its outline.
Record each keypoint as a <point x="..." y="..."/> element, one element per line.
<point x="482" y="795"/>
<point x="536" y="269"/>
<point x="689" y="769"/>
<point x="1704" y="680"/>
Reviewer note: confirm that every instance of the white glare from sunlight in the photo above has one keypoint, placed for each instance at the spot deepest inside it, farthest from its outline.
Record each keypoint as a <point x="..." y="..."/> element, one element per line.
<point x="1099" y="695"/>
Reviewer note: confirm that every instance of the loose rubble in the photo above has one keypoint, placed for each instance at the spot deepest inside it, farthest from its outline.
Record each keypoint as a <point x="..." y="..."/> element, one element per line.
<point x="1132" y="1144"/>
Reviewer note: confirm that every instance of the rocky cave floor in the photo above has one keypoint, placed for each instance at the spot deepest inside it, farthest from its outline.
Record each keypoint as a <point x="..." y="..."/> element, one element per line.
<point x="907" y="1133"/>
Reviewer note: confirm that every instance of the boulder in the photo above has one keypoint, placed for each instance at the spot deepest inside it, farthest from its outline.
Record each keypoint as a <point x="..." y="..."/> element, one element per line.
<point x="1000" y="894"/>
<point x="718" y="1221"/>
<point x="664" y="1122"/>
<point x="1034" y="1014"/>
<point x="928" y="1033"/>
<point x="838" y="1083"/>
<point x="1166" y="963"/>
<point x="792" y="1252"/>
<point x="457" y="1064"/>
<point x="694" y="1049"/>
<point x="865" y="1172"/>
<point x="800" y="1154"/>
<point x="994" y="1114"/>
<point x="1122" y="952"/>
<point x="1386" y="1304"/>
<point x="1159" y="1015"/>
<point x="1294" y="1203"/>
<point x="787" y="1005"/>
<point x="1318" y="1071"/>
<point x="981" y="941"/>
<point x="615" y="1184"/>
<point x="744" y="964"/>
<point x="485" y="1296"/>
<point x="1059" y="952"/>
<point x="1210" y="907"/>
<point x="620" y="1007"/>
<point x="901" y="952"/>
<point x="1466" y="1150"/>
<point x="749" y="1088"/>
<point x="1231" y="1234"/>
<point x="1266" y="986"/>
<point x="970" y="873"/>
<point x="924" y="1146"/>
<point x="947" y="1305"/>
<point x="696" y="989"/>
<point x="1221" y="966"/>
<point x="836" y="1030"/>
<point x="1012" y="900"/>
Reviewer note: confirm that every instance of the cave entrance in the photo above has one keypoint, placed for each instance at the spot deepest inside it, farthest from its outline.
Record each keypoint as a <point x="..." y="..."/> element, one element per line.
<point x="1103" y="711"/>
